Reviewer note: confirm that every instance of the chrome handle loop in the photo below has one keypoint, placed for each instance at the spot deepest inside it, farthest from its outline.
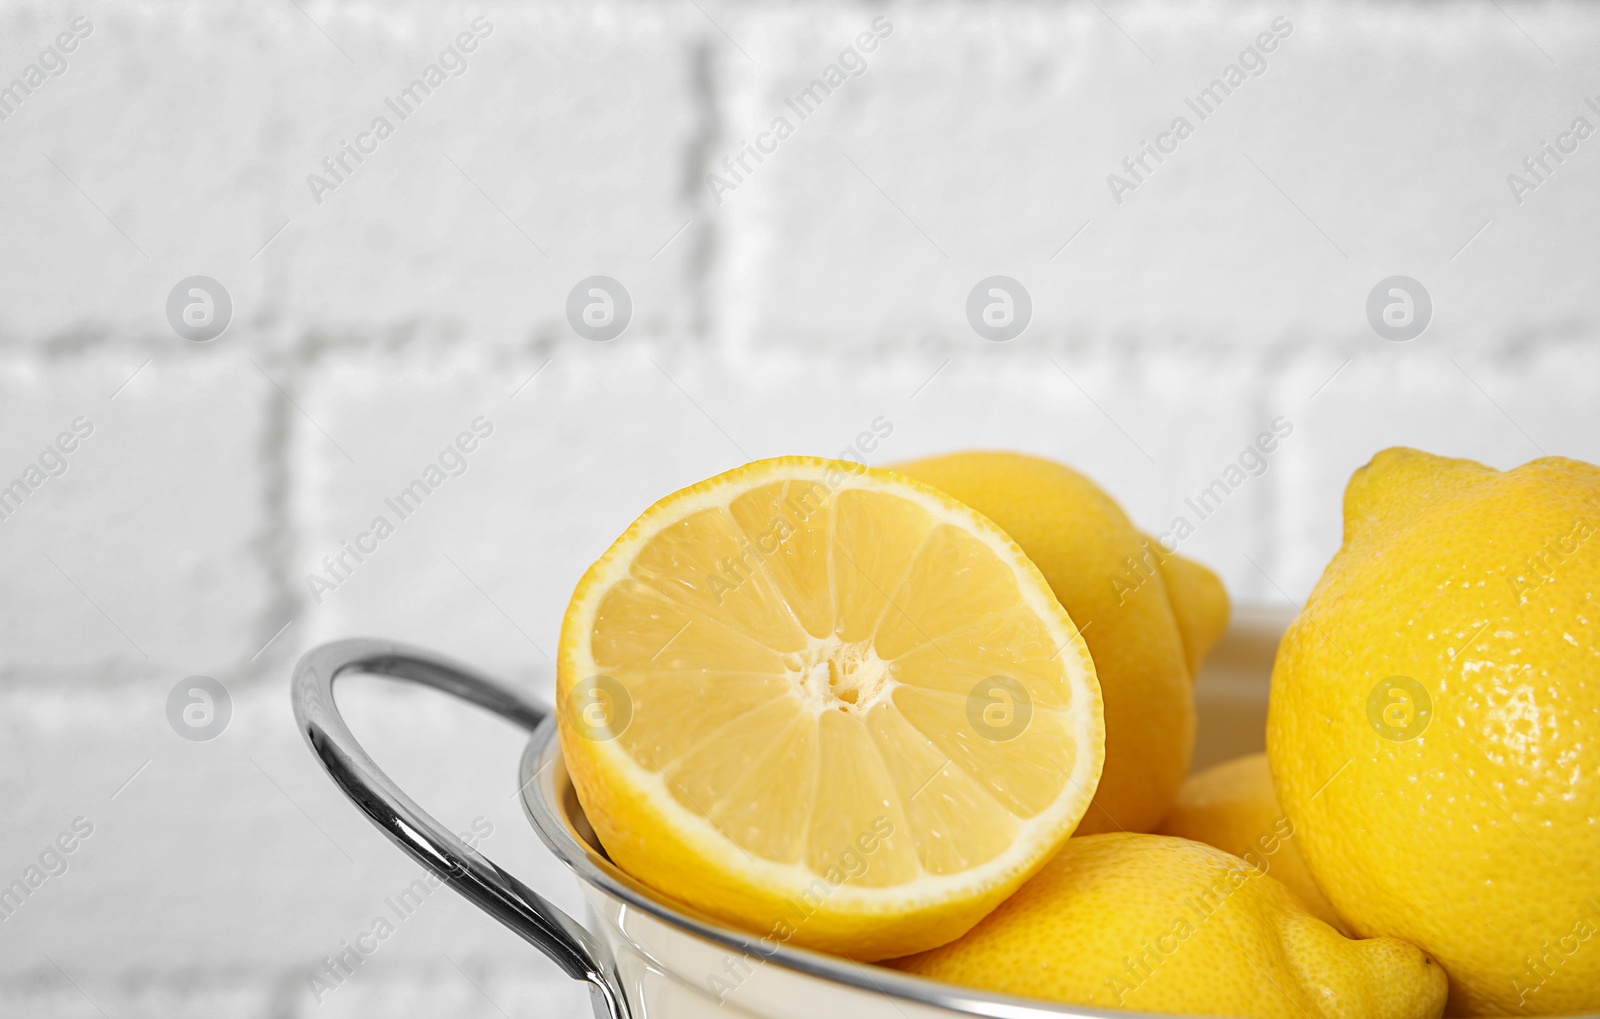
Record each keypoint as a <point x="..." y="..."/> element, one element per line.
<point x="527" y="913"/>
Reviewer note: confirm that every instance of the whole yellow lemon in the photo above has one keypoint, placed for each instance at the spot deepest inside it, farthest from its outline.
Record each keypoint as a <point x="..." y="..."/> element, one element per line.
<point x="1147" y="615"/>
<point x="1158" y="924"/>
<point x="1232" y="806"/>
<point x="1434" y="730"/>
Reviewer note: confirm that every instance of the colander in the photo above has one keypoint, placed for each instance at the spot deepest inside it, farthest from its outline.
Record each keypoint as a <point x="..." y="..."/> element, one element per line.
<point x="644" y="957"/>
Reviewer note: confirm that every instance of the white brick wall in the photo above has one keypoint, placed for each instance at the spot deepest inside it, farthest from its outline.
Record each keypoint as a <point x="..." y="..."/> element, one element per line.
<point x="824" y="291"/>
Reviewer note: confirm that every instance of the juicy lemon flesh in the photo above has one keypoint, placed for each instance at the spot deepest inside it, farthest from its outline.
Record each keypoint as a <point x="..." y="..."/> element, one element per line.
<point x="1149" y="616"/>
<point x="799" y="660"/>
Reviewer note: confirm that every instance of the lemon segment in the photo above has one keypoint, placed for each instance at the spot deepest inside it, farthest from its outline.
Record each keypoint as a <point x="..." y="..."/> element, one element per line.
<point x="1149" y="616"/>
<point x="826" y="704"/>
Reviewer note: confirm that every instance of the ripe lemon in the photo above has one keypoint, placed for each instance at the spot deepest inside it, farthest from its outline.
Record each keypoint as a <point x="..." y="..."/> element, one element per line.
<point x="1434" y="729"/>
<point x="828" y="705"/>
<point x="1158" y="924"/>
<point x="1147" y="615"/>
<point x="1232" y="806"/>
<point x="1199" y="603"/>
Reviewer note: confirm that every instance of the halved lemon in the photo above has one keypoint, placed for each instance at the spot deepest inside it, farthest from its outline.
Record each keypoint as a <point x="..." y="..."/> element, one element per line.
<point x="828" y="705"/>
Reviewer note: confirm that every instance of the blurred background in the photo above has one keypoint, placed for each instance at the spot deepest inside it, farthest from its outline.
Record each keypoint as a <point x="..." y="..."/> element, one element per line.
<point x="172" y="497"/>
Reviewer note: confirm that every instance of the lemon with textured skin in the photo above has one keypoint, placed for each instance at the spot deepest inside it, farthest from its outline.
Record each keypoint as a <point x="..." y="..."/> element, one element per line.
<point x="1434" y="730"/>
<point x="1199" y="603"/>
<point x="1147" y="615"/>
<point x="1158" y="924"/>
<point x="828" y="705"/>
<point x="1232" y="806"/>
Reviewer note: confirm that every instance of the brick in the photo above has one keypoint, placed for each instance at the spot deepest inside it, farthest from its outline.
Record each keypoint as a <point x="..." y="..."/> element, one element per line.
<point x="1154" y="432"/>
<point x="1502" y="411"/>
<point x="557" y="154"/>
<point x="156" y="177"/>
<point x="999" y="164"/>
<point x="484" y="568"/>
<point x="142" y="556"/>
<point x="239" y="856"/>
<point x="409" y="988"/>
<point x="455" y="986"/>
<point x="563" y="112"/>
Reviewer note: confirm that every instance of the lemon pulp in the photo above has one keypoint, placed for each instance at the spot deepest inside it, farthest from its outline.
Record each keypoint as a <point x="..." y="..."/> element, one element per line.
<point x="826" y="671"/>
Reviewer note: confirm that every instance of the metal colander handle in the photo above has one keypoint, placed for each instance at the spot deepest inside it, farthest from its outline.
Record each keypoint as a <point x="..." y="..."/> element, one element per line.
<point x="531" y="916"/>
